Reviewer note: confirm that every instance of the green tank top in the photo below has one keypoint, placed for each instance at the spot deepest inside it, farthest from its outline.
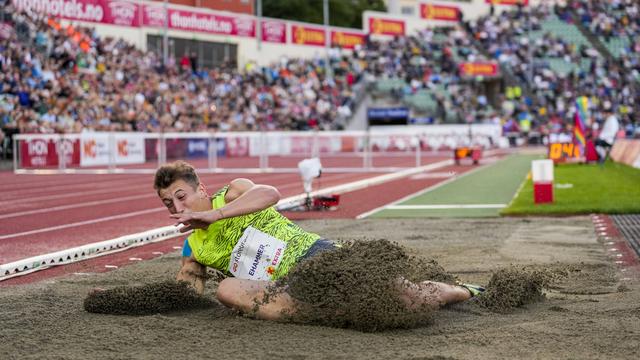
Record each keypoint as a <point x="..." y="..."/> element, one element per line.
<point x="212" y="247"/>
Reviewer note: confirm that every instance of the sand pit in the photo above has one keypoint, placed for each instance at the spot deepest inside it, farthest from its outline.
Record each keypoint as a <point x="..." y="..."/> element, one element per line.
<point x="153" y="298"/>
<point x="587" y="312"/>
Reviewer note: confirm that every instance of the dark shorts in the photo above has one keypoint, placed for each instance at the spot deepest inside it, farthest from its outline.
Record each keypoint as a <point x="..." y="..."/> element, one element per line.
<point x="318" y="247"/>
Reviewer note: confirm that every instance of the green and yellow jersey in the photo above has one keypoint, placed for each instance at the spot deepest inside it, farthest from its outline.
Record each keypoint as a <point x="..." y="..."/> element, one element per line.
<point x="213" y="246"/>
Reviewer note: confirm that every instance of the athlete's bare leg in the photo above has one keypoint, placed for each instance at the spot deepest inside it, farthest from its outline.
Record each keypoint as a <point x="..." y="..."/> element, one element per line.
<point x="247" y="296"/>
<point x="430" y="293"/>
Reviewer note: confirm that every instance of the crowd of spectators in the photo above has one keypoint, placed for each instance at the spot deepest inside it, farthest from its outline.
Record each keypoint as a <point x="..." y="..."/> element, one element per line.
<point x="428" y="63"/>
<point x="549" y="108"/>
<point x="49" y="84"/>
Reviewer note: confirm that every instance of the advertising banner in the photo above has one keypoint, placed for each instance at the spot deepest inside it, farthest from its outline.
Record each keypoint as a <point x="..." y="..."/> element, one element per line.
<point x="130" y="149"/>
<point x="507" y="2"/>
<point x="44" y="153"/>
<point x="197" y="148"/>
<point x="346" y="39"/>
<point x="96" y="150"/>
<point x="153" y="15"/>
<point x="307" y="35"/>
<point x="325" y="145"/>
<point x="439" y="12"/>
<point x="478" y="69"/>
<point x="237" y="146"/>
<point x="379" y="26"/>
<point x="113" y="12"/>
<point x="274" y="31"/>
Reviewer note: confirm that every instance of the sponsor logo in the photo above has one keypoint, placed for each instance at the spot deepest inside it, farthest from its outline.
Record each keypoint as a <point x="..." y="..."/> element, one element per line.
<point x="89" y="148"/>
<point x="387" y="27"/>
<point x="123" y="148"/>
<point x="273" y="29"/>
<point x="154" y="15"/>
<point x="347" y="40"/>
<point x="201" y="23"/>
<point x="197" y="146"/>
<point x="276" y="257"/>
<point x="308" y="36"/>
<point x="436" y="12"/>
<point x="244" y="26"/>
<point x="123" y="12"/>
<point x="38" y="148"/>
<point x="70" y="9"/>
<point x="271" y="270"/>
<point x="237" y="257"/>
<point x="474" y="69"/>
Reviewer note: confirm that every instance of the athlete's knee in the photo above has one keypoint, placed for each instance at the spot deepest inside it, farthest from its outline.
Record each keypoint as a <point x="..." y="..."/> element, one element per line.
<point x="227" y="292"/>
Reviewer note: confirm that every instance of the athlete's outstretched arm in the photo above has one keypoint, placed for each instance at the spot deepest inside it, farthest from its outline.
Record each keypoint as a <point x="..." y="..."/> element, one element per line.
<point x="192" y="272"/>
<point x="242" y="197"/>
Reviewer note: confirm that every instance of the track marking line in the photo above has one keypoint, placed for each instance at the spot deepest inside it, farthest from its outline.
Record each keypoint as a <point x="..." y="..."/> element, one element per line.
<point x="81" y="223"/>
<point x="446" y="206"/>
<point x="73" y="206"/>
<point x="433" y="175"/>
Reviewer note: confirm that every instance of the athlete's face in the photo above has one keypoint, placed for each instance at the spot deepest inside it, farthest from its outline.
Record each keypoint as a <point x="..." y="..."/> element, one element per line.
<point x="181" y="196"/>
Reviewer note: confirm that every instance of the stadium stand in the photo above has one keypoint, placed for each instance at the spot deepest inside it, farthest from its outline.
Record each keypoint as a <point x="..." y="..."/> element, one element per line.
<point x="48" y="84"/>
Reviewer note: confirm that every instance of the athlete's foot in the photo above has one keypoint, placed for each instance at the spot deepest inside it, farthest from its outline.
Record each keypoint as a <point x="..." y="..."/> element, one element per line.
<point x="474" y="290"/>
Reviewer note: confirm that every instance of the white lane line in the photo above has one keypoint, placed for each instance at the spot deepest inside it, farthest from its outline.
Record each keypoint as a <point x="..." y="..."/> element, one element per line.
<point x="446" y="206"/>
<point x="418" y="193"/>
<point x="75" y="193"/>
<point x="75" y="187"/>
<point x="115" y="217"/>
<point x="74" y="206"/>
<point x="433" y="175"/>
<point x="81" y="223"/>
<point x="108" y="201"/>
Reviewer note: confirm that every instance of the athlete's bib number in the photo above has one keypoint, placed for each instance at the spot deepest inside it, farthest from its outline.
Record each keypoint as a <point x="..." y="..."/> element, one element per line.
<point x="256" y="256"/>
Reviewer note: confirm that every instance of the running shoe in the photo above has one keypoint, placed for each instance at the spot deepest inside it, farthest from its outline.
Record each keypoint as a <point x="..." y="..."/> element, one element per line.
<point x="475" y="290"/>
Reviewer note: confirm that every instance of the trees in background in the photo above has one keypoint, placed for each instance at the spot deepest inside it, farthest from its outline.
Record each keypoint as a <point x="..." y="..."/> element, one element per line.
<point x="345" y="13"/>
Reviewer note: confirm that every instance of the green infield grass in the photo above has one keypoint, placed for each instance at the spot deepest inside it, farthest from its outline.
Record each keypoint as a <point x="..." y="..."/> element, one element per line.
<point x="582" y="189"/>
<point x="490" y="188"/>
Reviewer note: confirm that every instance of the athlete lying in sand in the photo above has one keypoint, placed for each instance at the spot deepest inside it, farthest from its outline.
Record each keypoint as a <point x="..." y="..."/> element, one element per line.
<point x="238" y="231"/>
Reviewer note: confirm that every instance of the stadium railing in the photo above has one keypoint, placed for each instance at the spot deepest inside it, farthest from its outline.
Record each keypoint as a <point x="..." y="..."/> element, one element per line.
<point x="377" y="150"/>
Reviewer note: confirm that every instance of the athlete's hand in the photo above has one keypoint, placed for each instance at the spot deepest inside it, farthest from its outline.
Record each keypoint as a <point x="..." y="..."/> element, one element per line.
<point x="194" y="220"/>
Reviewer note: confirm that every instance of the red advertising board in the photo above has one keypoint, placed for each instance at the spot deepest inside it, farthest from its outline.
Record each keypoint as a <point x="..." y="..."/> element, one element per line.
<point x="439" y="12"/>
<point x="381" y="26"/>
<point x="274" y="31"/>
<point x="307" y="35"/>
<point x="153" y="15"/>
<point x="478" y="69"/>
<point x="38" y="153"/>
<point x="346" y="40"/>
<point x="114" y="12"/>
<point x="507" y="2"/>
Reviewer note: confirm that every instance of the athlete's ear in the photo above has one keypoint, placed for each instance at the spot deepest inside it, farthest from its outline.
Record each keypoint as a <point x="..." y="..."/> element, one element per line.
<point x="202" y="190"/>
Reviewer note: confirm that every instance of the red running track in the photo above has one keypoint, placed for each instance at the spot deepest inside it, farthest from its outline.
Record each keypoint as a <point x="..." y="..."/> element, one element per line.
<point x="46" y="213"/>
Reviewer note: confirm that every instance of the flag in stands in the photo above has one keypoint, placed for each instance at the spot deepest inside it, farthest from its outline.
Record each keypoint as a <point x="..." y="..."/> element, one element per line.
<point x="580" y="119"/>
